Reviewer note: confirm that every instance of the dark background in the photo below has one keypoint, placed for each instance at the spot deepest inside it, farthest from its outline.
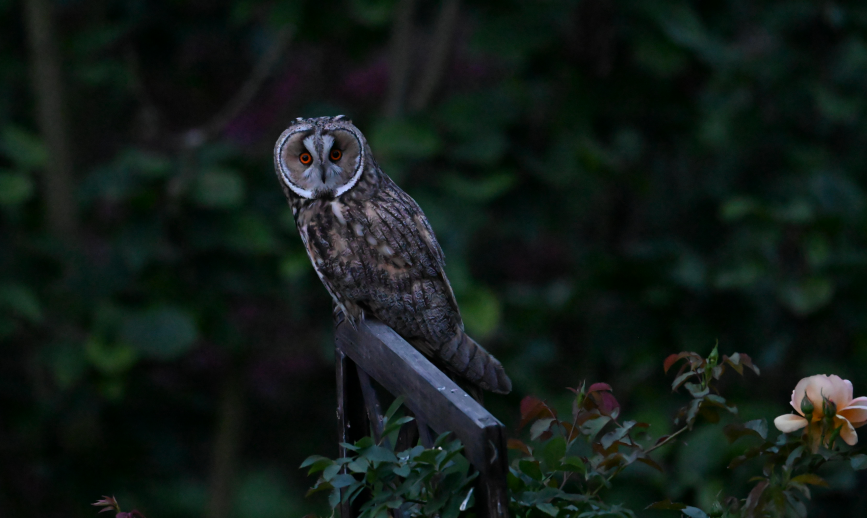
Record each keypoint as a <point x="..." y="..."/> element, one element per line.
<point x="611" y="182"/>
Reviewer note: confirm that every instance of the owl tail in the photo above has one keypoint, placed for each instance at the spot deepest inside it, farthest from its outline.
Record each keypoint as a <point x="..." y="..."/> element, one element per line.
<point x="470" y="360"/>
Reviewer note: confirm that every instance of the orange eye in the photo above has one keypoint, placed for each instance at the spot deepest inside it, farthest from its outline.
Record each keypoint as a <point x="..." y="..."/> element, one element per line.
<point x="336" y="154"/>
<point x="305" y="158"/>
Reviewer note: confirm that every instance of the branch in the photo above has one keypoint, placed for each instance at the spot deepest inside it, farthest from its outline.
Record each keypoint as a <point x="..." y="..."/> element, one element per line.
<point x="48" y="87"/>
<point x="401" y="57"/>
<point x="195" y="137"/>
<point x="226" y="443"/>
<point x="666" y="441"/>
<point x="436" y="65"/>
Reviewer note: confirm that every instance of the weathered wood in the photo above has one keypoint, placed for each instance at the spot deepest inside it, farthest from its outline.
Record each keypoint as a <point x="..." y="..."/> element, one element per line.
<point x="371" y="404"/>
<point x="351" y="420"/>
<point x="436" y="400"/>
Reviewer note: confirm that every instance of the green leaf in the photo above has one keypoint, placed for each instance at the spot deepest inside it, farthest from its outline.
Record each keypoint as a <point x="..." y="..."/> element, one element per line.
<point x="553" y="451"/>
<point x="807" y="295"/>
<point x="394" y="424"/>
<point x="394" y="406"/>
<point x="810" y="478"/>
<point x="252" y="234"/>
<point x="342" y="481"/>
<point x="15" y="188"/>
<point x="372" y="12"/>
<point x="21" y="301"/>
<point x="694" y="512"/>
<point x="480" y="309"/>
<point x="313" y="459"/>
<point x="23" y="148"/>
<point x="574" y="464"/>
<point x="163" y="333"/>
<point x="481" y="190"/>
<point x="378" y="454"/>
<point x="330" y="471"/>
<point x="111" y="359"/>
<point x="218" y="188"/>
<point x="531" y="469"/>
<point x="547" y="508"/>
<point x="395" y="138"/>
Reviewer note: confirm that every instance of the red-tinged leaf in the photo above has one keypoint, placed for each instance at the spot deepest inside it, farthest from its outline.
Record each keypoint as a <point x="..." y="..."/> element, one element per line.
<point x="533" y="408"/>
<point x="672" y="358"/>
<point x="755" y="496"/>
<point x="810" y="478"/>
<point x="692" y="412"/>
<point x="616" y="435"/>
<point x="667" y="505"/>
<point x="571" y="432"/>
<point x="515" y="444"/>
<point x="539" y="427"/>
<point x="692" y="360"/>
<point x="600" y="386"/>
<point x="747" y="362"/>
<point x="605" y="402"/>
<point x="681" y="379"/>
<point x="612" y="461"/>
<point x="661" y="440"/>
<point x="650" y="462"/>
<point x="710" y="414"/>
<point x="109" y="501"/>
<point x="735" y="362"/>
<point x="642" y="425"/>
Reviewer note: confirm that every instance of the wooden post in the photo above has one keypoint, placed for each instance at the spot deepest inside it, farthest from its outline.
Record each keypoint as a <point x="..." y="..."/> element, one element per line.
<point x="434" y="399"/>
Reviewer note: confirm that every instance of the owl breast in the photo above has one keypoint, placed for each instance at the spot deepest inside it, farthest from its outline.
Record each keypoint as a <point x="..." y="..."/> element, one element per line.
<point x="376" y="260"/>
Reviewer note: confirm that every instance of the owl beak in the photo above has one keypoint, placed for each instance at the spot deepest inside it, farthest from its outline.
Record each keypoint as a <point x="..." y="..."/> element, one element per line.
<point x="322" y="173"/>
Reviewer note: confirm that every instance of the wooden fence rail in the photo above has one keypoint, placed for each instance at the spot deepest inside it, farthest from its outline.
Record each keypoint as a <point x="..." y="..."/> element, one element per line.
<point x="375" y="351"/>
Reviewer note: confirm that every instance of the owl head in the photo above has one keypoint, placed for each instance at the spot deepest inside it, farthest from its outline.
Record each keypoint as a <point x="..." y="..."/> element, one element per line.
<point x="320" y="158"/>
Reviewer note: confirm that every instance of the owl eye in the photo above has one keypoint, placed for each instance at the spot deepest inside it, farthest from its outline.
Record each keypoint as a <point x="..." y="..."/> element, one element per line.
<point x="336" y="154"/>
<point x="305" y="158"/>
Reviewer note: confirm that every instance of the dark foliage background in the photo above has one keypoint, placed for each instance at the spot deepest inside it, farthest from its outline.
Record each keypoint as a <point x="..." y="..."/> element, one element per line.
<point x="611" y="182"/>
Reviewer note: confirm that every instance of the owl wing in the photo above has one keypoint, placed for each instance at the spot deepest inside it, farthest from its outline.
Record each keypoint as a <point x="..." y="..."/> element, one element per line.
<point x="412" y="293"/>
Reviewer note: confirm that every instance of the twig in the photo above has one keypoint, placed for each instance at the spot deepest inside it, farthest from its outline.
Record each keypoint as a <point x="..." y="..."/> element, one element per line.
<point x="226" y="443"/>
<point x="195" y="137"/>
<point x="48" y="86"/>
<point x="667" y="439"/>
<point x="436" y="64"/>
<point x="401" y="57"/>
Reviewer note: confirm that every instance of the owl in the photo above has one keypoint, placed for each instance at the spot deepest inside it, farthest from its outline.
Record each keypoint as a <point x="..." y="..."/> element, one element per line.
<point x="372" y="246"/>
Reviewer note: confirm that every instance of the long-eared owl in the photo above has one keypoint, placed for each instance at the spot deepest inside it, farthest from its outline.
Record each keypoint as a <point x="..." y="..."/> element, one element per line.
<point x="372" y="246"/>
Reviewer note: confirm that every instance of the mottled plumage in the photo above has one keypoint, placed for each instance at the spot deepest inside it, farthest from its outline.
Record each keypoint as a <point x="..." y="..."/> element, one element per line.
<point x="372" y="246"/>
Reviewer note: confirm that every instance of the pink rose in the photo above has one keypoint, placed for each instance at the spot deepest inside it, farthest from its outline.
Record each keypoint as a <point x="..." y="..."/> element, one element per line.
<point x="850" y="413"/>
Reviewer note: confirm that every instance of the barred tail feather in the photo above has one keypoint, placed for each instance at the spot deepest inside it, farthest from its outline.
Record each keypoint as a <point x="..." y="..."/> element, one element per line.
<point x="470" y="360"/>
